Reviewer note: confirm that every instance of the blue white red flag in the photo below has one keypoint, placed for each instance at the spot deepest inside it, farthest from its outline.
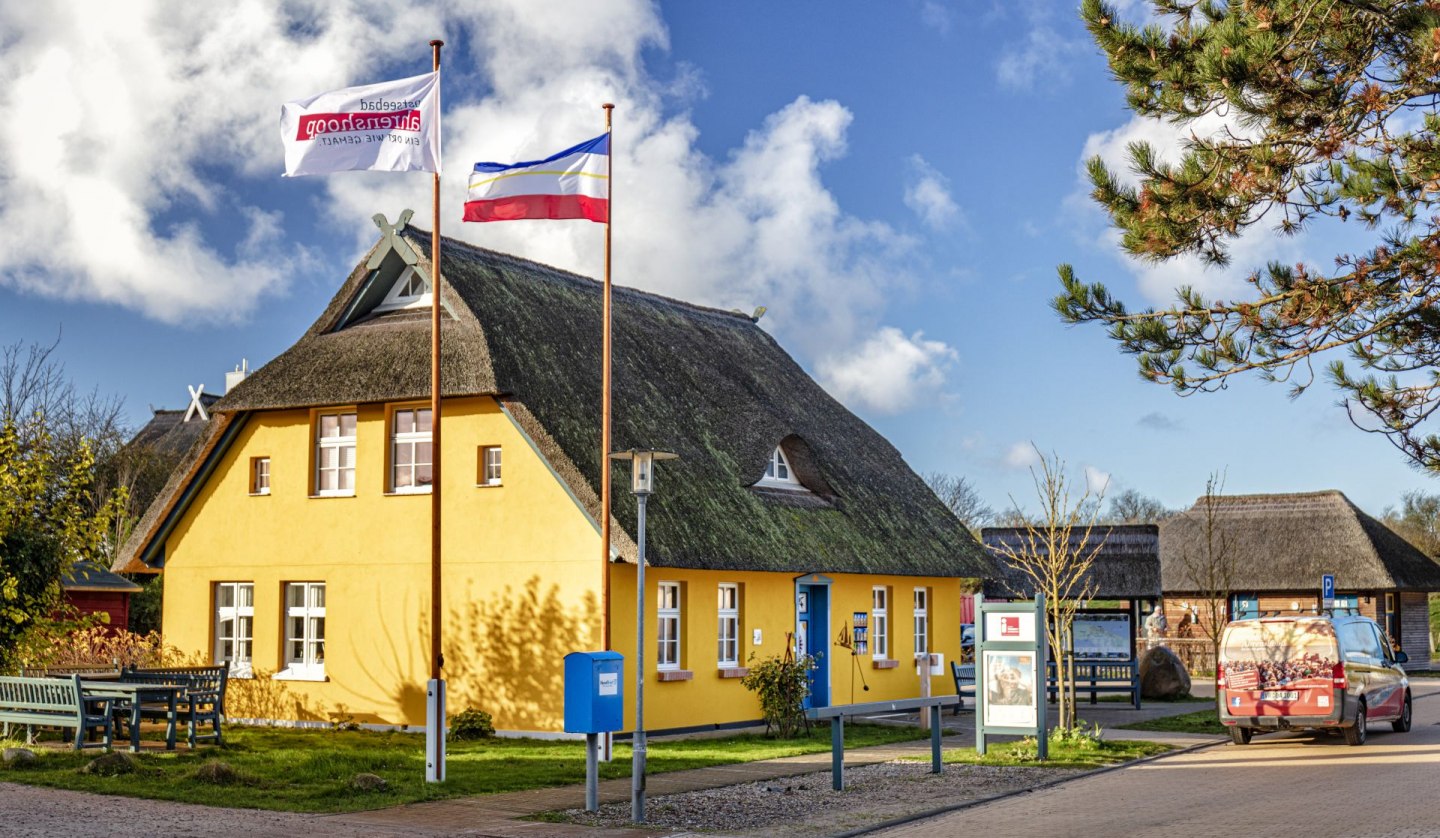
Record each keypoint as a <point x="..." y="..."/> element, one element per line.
<point x="572" y="184"/>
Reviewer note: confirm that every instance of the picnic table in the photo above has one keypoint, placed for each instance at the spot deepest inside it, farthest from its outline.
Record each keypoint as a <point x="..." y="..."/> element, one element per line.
<point x="130" y="699"/>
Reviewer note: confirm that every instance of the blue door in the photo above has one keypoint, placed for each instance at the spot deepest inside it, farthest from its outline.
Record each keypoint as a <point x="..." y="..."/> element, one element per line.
<point x="812" y="632"/>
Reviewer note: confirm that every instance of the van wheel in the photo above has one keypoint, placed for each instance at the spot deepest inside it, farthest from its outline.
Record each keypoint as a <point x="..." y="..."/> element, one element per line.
<point x="1355" y="735"/>
<point x="1402" y="724"/>
<point x="1241" y="735"/>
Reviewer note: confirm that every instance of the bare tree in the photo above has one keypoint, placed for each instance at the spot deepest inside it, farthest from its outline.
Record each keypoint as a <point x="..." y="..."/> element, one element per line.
<point x="1054" y="554"/>
<point x="1132" y="507"/>
<point x="961" y="497"/>
<point x="1211" y="567"/>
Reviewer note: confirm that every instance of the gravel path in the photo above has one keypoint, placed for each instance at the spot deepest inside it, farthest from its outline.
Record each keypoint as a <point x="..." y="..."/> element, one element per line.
<point x="806" y="805"/>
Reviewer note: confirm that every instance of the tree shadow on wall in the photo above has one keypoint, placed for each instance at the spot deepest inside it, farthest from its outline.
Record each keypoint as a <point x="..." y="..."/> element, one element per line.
<point x="505" y="654"/>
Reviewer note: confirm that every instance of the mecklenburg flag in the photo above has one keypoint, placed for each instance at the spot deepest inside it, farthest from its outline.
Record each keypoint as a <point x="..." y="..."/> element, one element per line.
<point x="571" y="184"/>
<point x="393" y="126"/>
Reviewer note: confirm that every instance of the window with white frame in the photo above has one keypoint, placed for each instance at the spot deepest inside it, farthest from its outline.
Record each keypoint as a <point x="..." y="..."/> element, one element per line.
<point x="234" y="626"/>
<point x="728" y="654"/>
<point x="489" y="465"/>
<point x="410" y="458"/>
<point x="305" y="630"/>
<point x="667" y="613"/>
<point x="411" y="290"/>
<point x="922" y="621"/>
<point x="260" y="475"/>
<point x="335" y="454"/>
<point x="880" y="622"/>
<point x="778" y="471"/>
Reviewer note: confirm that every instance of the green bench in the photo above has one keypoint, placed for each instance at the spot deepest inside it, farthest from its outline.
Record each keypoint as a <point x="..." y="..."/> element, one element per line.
<point x="201" y="701"/>
<point x="54" y="702"/>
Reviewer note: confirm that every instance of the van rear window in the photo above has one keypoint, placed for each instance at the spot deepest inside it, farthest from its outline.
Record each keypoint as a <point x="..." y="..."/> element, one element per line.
<point x="1280" y="653"/>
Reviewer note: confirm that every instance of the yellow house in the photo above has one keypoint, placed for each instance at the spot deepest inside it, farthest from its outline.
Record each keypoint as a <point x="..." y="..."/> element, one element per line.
<point x="295" y="539"/>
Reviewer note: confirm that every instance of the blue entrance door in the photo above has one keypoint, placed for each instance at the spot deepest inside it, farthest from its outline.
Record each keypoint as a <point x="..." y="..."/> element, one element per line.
<point x="812" y="624"/>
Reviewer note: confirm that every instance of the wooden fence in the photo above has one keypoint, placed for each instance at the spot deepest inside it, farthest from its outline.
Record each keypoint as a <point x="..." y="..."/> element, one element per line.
<point x="1196" y="653"/>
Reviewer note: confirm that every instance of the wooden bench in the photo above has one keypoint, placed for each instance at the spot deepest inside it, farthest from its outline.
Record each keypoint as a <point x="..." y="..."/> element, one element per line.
<point x="54" y="702"/>
<point x="964" y="675"/>
<point x="837" y="713"/>
<point x="201" y="701"/>
<point x="1097" y="677"/>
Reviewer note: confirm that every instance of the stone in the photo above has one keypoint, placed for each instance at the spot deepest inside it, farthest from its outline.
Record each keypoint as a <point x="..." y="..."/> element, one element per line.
<point x="1162" y="675"/>
<point x="110" y="765"/>
<point x="369" y="782"/>
<point x="20" y="757"/>
<point x="217" y="773"/>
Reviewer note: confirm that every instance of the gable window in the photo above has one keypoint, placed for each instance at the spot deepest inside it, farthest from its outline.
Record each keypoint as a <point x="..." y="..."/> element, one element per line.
<point x="489" y="466"/>
<point x="778" y="471"/>
<point x="922" y="621"/>
<point x="305" y="630"/>
<point x="880" y="621"/>
<point x="259" y="475"/>
<point x="234" y="623"/>
<point x="410" y="457"/>
<point x="667" y="613"/>
<point x="335" y="454"/>
<point x="728" y="655"/>
<point x="411" y="290"/>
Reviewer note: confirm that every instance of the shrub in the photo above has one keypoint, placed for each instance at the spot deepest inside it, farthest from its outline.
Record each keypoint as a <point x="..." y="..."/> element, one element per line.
<point x="781" y="684"/>
<point x="471" y="724"/>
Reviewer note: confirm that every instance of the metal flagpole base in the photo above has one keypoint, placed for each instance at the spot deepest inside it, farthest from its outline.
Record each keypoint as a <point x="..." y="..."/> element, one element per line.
<point x="435" y="731"/>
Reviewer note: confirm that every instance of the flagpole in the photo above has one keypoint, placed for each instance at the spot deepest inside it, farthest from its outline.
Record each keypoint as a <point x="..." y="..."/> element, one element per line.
<point x="435" y="705"/>
<point x="605" y="398"/>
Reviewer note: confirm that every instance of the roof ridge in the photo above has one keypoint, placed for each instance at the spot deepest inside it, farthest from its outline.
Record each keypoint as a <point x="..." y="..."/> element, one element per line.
<point x="623" y="289"/>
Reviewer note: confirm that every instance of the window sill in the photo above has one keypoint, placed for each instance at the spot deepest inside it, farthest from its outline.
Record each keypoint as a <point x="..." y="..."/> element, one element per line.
<point x="674" y="675"/>
<point x="488" y="485"/>
<point x="259" y="494"/>
<point x="246" y="674"/>
<point x="295" y="675"/>
<point x="884" y="663"/>
<point x="408" y="493"/>
<point x="330" y="496"/>
<point x="734" y="671"/>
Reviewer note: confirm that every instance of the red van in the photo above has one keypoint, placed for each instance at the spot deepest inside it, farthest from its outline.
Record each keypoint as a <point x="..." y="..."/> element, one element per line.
<point x="1323" y="672"/>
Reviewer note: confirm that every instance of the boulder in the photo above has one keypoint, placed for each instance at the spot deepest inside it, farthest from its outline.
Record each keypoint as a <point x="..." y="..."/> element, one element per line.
<point x="368" y="782"/>
<point x="1162" y="675"/>
<point x="20" y="757"/>
<point x="110" y="765"/>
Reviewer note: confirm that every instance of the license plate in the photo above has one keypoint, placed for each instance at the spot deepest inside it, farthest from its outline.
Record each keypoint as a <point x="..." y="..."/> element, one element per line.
<point x="1279" y="695"/>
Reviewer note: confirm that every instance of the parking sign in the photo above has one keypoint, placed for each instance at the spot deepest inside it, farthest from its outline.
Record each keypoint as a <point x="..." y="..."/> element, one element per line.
<point x="1327" y="590"/>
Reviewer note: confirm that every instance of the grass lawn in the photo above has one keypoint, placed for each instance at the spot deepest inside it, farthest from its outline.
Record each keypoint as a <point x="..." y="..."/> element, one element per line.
<point x="310" y="770"/>
<point x="1085" y="754"/>
<point x="1201" y="721"/>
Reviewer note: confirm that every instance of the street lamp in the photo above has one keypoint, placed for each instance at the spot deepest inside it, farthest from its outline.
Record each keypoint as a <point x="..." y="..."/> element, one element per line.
<point x="642" y="483"/>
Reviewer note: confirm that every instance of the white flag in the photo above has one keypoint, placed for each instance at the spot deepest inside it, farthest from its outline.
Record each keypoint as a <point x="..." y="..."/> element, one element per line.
<point x="392" y="126"/>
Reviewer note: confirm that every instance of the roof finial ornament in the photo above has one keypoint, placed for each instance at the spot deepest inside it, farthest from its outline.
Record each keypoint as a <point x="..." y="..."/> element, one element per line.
<point x="390" y="238"/>
<point x="195" y="405"/>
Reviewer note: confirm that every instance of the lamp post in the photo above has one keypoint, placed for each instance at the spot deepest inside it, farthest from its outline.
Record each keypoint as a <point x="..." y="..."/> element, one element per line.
<point x="642" y="483"/>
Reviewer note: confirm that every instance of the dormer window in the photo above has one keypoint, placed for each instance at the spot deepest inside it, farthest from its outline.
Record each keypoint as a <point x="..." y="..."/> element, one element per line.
<point x="411" y="290"/>
<point x="778" y="472"/>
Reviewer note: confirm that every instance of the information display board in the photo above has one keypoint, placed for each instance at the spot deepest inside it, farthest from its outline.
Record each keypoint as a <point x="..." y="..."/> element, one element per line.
<point x="1010" y="656"/>
<point x="1102" y="636"/>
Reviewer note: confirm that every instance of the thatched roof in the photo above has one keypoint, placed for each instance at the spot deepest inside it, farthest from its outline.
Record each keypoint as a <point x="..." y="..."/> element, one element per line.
<point x="707" y="384"/>
<point x="1287" y="542"/>
<point x="168" y="432"/>
<point x="1126" y="561"/>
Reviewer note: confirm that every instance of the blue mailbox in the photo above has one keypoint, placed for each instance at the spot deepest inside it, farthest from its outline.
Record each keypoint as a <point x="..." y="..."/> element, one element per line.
<point x="594" y="697"/>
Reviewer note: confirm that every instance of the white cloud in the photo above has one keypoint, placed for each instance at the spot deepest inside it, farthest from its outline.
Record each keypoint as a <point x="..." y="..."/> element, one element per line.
<point x="927" y="194"/>
<point x="1022" y="455"/>
<point x="889" y="372"/>
<point x="1096" y="481"/>
<point x="937" y="16"/>
<point x="120" y="118"/>
<point x="1042" y="59"/>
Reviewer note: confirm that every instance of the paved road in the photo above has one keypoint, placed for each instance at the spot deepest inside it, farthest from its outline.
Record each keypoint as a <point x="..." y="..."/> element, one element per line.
<point x="1281" y="784"/>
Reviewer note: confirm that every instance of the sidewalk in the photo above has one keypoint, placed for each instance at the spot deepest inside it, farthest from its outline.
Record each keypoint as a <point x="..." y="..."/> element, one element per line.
<point x="500" y="815"/>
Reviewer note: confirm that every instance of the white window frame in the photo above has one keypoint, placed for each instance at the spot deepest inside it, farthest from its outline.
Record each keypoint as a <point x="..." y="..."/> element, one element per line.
<point x="339" y="444"/>
<point x="922" y="621"/>
<point x="260" y="476"/>
<point x="240" y="617"/>
<point x="779" y="472"/>
<point x="880" y="622"/>
<point x="667" y="612"/>
<point x="728" y="629"/>
<point x="411" y="440"/>
<point x="492" y="462"/>
<point x="403" y="295"/>
<point x="309" y="665"/>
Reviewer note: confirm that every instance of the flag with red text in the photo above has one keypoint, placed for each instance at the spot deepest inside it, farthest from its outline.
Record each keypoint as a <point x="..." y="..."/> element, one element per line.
<point x="393" y="126"/>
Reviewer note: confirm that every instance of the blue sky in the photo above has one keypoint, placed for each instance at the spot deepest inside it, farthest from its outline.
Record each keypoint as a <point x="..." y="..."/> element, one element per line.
<point x="896" y="182"/>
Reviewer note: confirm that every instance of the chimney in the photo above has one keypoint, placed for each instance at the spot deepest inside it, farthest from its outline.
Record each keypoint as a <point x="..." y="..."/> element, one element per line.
<point x="237" y="375"/>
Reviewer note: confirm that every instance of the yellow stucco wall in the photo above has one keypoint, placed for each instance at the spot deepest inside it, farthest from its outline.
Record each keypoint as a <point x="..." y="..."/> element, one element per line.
<point x="522" y="588"/>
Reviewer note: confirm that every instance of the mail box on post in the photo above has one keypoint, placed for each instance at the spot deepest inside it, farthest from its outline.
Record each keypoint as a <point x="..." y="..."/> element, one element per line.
<point x="594" y="699"/>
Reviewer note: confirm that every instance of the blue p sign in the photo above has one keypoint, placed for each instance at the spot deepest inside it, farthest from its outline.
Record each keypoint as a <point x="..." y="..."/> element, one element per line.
<point x="1327" y="589"/>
